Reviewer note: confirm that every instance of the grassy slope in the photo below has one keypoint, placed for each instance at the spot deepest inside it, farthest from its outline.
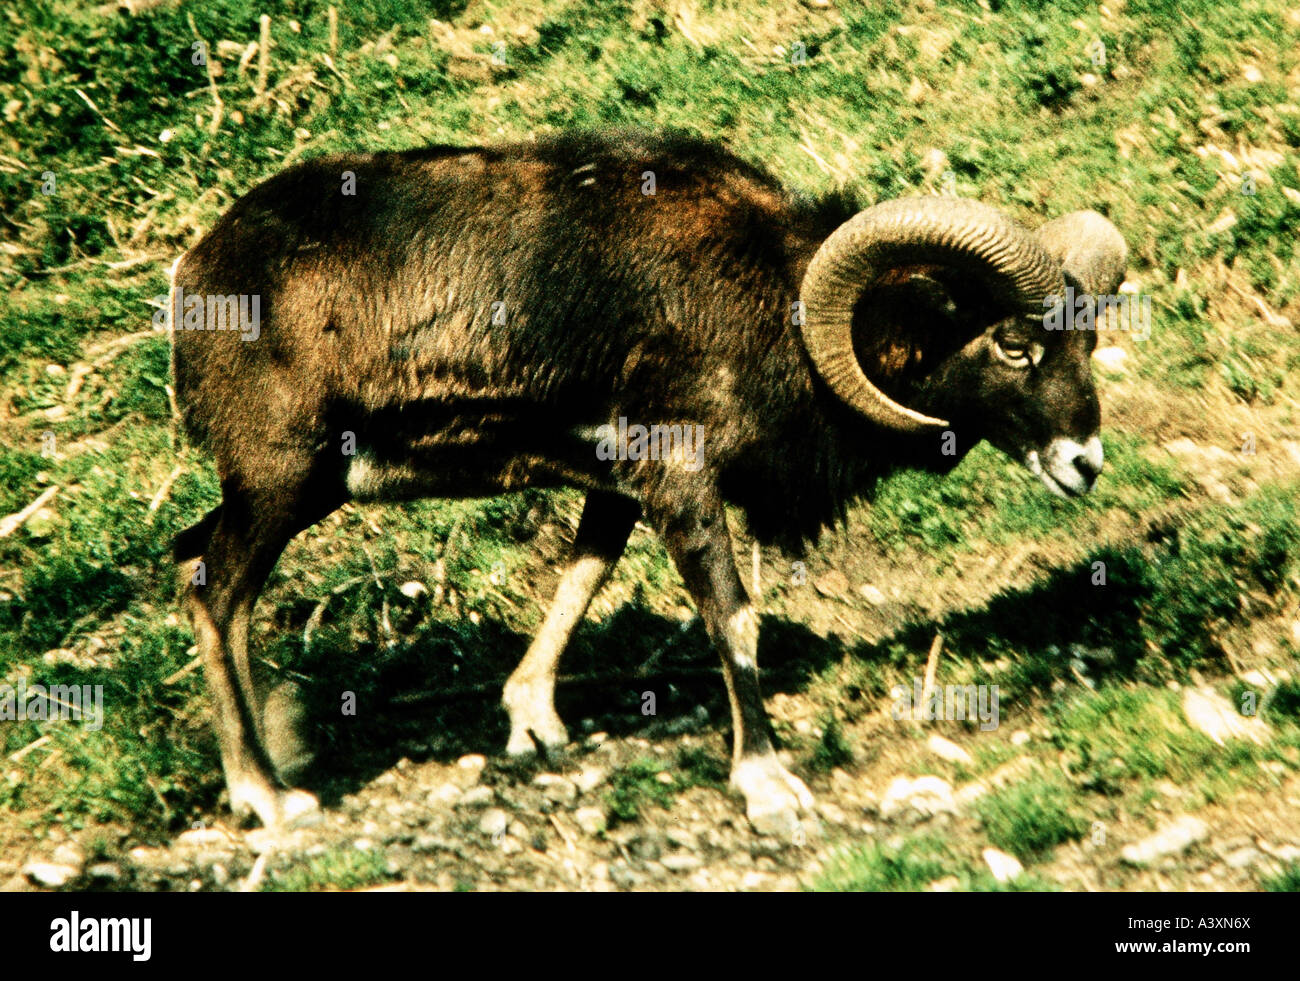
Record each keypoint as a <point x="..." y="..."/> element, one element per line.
<point x="1195" y="106"/>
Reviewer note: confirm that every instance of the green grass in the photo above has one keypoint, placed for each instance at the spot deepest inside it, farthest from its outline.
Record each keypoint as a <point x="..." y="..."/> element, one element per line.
<point x="338" y="869"/>
<point x="636" y="786"/>
<point x="1030" y="818"/>
<point x="911" y="866"/>
<point x="832" y="749"/>
<point x="1124" y="735"/>
<point x="1288" y="880"/>
<point x="1026" y="132"/>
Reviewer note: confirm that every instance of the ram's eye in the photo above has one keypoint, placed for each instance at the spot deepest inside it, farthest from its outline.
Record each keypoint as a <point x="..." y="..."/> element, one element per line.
<point x="1019" y="355"/>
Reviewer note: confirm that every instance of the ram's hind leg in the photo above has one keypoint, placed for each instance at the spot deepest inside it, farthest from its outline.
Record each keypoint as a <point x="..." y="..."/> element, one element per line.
<point x="529" y="697"/>
<point x="245" y="537"/>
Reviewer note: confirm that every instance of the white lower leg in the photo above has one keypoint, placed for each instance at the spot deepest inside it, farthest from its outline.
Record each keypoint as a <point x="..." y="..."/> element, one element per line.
<point x="529" y="695"/>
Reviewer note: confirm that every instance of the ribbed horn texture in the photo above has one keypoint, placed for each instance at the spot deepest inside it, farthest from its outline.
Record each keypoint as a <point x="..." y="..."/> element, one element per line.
<point x="952" y="232"/>
<point x="1089" y="247"/>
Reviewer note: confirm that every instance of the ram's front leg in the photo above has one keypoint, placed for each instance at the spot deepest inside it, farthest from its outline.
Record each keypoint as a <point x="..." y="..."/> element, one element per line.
<point x="700" y="545"/>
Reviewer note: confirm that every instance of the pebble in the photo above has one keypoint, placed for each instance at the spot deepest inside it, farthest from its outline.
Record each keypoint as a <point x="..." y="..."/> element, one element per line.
<point x="832" y="812"/>
<point x="1003" y="866"/>
<point x="493" y="822"/>
<point x="681" y="862"/>
<point x="1218" y="718"/>
<point x="556" y="789"/>
<point x="1173" y="838"/>
<point x="926" y="795"/>
<point x="590" y="778"/>
<point x="590" y="819"/>
<point x="448" y="793"/>
<point x="202" y="838"/>
<point x="1241" y="858"/>
<point x="51" y="875"/>
<point x="623" y="877"/>
<point x="872" y="595"/>
<point x="477" y="797"/>
<point x="108" y="872"/>
<point x="682" y="839"/>
<point x="645" y="847"/>
<point x="948" y="750"/>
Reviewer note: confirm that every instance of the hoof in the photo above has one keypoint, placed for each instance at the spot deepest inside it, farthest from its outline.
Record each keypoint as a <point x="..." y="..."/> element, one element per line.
<point x="774" y="797"/>
<point x="277" y="809"/>
<point x="534" y="725"/>
<point x="548" y="743"/>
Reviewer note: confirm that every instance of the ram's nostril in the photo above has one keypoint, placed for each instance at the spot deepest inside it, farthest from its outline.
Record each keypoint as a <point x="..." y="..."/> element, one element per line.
<point x="1086" y="467"/>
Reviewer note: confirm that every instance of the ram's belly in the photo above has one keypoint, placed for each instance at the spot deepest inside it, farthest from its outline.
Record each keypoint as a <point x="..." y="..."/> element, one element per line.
<point x="465" y="459"/>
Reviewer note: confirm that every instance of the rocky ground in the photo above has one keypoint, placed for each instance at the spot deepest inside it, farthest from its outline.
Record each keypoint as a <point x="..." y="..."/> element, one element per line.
<point x="475" y="824"/>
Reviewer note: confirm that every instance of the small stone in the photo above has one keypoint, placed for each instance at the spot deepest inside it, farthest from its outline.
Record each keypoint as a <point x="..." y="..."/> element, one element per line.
<point x="682" y="839"/>
<point x="1217" y="717"/>
<point x="590" y="819"/>
<point x="1019" y="737"/>
<point x="556" y="788"/>
<point x="493" y="822"/>
<point x="69" y="853"/>
<point x="590" y="778"/>
<point x="108" y="872"/>
<point x="872" y="595"/>
<point x="645" y="847"/>
<point x="477" y="797"/>
<point x="1173" y="838"/>
<point x="472" y="761"/>
<point x="446" y="794"/>
<point x="51" y="875"/>
<point x="202" y="838"/>
<point x="948" y="750"/>
<point x="413" y="589"/>
<point x="949" y="883"/>
<point x="833" y="584"/>
<point x="681" y="862"/>
<point x="430" y="843"/>
<point x="1003" y="866"/>
<point x="832" y="812"/>
<point x="363" y="844"/>
<point x="623" y="877"/>
<point x="1252" y="74"/>
<point x="926" y="795"/>
<point x="1241" y="858"/>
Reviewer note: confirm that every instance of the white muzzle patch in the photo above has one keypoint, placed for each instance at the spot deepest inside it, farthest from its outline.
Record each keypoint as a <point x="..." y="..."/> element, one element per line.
<point x="1068" y="468"/>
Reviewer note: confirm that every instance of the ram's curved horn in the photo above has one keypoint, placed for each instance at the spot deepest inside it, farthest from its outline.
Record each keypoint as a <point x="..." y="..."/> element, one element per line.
<point x="1089" y="247"/>
<point x="941" y="231"/>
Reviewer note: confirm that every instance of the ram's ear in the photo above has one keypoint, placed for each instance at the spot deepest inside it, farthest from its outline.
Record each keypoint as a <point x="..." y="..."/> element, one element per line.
<point x="1090" y="249"/>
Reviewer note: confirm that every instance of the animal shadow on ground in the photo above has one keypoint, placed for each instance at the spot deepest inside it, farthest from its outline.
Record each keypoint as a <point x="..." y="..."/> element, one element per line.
<point x="439" y="697"/>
